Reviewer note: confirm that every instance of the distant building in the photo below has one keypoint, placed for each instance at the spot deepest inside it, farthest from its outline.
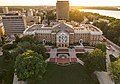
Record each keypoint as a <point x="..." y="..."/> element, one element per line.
<point x="32" y="20"/>
<point x="30" y="13"/>
<point x="13" y="24"/>
<point x="5" y="10"/>
<point x="62" y="9"/>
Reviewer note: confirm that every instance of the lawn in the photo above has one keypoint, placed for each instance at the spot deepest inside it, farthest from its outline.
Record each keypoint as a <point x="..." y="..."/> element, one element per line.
<point x="71" y="74"/>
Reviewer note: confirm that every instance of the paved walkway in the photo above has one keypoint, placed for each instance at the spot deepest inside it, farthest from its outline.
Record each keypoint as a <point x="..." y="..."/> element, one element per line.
<point x="53" y="53"/>
<point x="80" y="61"/>
<point x="104" y="78"/>
<point x="72" y="53"/>
<point x="108" y="60"/>
<point x="72" y="57"/>
<point x="116" y="47"/>
<point x="15" y="80"/>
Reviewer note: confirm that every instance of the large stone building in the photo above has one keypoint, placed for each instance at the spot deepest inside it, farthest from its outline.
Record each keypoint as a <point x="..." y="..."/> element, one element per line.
<point x="62" y="9"/>
<point x="13" y="24"/>
<point x="64" y="35"/>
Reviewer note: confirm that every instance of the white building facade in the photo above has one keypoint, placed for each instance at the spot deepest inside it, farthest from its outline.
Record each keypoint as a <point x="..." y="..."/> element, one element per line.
<point x="64" y="35"/>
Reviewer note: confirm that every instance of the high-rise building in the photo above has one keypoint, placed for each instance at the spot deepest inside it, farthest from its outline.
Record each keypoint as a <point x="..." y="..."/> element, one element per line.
<point x="5" y="10"/>
<point x="30" y="13"/>
<point x="14" y="24"/>
<point x="62" y="9"/>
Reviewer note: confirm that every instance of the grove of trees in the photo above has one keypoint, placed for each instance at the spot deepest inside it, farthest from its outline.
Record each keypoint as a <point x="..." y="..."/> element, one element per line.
<point x="101" y="46"/>
<point x="96" y="61"/>
<point x="115" y="70"/>
<point x="16" y="49"/>
<point x="30" y="66"/>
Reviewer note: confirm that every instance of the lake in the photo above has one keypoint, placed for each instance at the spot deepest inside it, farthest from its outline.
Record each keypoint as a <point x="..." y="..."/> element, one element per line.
<point x="111" y="13"/>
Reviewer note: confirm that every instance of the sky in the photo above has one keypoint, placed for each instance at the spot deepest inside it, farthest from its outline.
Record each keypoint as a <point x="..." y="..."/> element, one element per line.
<point x="53" y="2"/>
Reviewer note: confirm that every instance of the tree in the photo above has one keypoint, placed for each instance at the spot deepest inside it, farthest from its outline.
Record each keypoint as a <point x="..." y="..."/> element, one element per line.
<point x="39" y="48"/>
<point x="114" y="32"/>
<point x="96" y="61"/>
<point x="76" y="15"/>
<point x="2" y="74"/>
<point x="7" y="65"/>
<point x="30" y="66"/>
<point x="17" y="39"/>
<point x="82" y="56"/>
<point x="102" y="25"/>
<point x="51" y="15"/>
<point x="8" y="46"/>
<point x="101" y="46"/>
<point x="113" y="58"/>
<point x="28" y="38"/>
<point x="115" y="70"/>
<point x="11" y="51"/>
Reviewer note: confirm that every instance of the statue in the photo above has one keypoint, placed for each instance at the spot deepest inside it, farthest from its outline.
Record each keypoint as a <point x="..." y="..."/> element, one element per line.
<point x="44" y="41"/>
<point x="81" y="42"/>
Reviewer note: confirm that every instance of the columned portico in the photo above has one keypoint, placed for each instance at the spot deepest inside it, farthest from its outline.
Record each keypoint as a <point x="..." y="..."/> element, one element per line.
<point x="62" y="39"/>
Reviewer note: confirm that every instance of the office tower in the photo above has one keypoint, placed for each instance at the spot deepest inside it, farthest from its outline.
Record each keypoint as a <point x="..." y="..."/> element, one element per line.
<point x="14" y="24"/>
<point x="5" y="10"/>
<point x="30" y="13"/>
<point x="62" y="9"/>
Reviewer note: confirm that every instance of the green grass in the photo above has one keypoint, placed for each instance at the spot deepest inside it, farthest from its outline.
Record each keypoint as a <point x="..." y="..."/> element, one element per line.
<point x="71" y="74"/>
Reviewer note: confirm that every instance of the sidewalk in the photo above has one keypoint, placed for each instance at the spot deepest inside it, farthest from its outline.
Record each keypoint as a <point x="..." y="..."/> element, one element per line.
<point x="104" y="78"/>
<point x="15" y="80"/>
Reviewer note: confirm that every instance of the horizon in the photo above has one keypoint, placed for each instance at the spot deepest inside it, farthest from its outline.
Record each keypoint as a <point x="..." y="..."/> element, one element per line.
<point x="53" y="3"/>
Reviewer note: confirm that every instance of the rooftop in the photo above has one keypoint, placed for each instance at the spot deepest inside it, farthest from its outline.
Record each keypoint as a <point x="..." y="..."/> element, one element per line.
<point x="83" y="28"/>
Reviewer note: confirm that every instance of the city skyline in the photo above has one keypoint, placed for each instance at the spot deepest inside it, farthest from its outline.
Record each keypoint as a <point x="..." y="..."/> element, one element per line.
<point x="53" y="2"/>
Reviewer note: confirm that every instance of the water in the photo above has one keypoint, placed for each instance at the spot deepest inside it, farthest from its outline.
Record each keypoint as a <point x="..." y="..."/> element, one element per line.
<point x="111" y="13"/>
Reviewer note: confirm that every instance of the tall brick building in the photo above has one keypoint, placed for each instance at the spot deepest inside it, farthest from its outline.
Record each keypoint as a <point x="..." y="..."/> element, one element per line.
<point x="62" y="9"/>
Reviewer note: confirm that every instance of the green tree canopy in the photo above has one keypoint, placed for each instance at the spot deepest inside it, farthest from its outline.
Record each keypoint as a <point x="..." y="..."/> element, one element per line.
<point x="114" y="32"/>
<point x="29" y="65"/>
<point x="8" y="46"/>
<point x="96" y="61"/>
<point x="28" y="38"/>
<point x="115" y="69"/>
<point x="39" y="48"/>
<point x="102" y="25"/>
<point x="101" y="46"/>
